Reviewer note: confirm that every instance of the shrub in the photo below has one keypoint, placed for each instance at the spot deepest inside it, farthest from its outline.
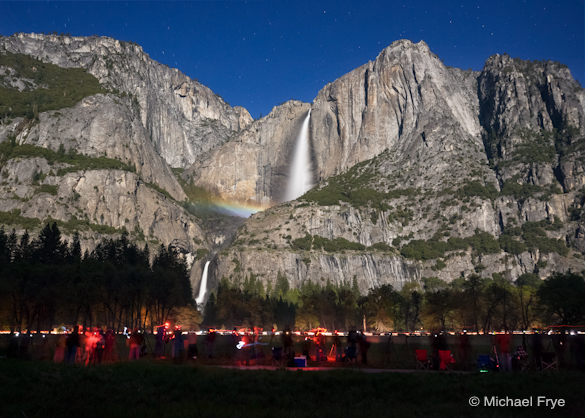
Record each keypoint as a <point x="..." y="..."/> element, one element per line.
<point x="14" y="218"/>
<point x="537" y="147"/>
<point x="481" y="243"/>
<point x="424" y="250"/>
<point x="48" y="188"/>
<point x="76" y="162"/>
<point x="159" y="189"/>
<point x="381" y="246"/>
<point x="354" y="188"/>
<point x="337" y="244"/>
<point x="520" y="191"/>
<point x="402" y="215"/>
<point x="511" y="245"/>
<point x="56" y="87"/>
<point x="201" y="253"/>
<point x="475" y="188"/>
<point x="304" y="243"/>
<point x="317" y="242"/>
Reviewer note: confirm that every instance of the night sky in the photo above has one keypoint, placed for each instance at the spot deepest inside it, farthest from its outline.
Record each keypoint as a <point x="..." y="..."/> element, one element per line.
<point x="260" y="54"/>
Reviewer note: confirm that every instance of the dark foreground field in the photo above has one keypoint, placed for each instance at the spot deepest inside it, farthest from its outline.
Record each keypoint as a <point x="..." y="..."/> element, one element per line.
<point x="162" y="389"/>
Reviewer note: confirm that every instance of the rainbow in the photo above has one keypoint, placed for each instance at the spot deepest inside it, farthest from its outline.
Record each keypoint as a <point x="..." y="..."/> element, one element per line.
<point x="243" y="210"/>
<point x="228" y="207"/>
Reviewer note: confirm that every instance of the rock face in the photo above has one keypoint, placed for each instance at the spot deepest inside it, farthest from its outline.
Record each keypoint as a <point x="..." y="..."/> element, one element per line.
<point x="263" y="247"/>
<point x="102" y="125"/>
<point x="181" y="117"/>
<point x="537" y="95"/>
<point x="112" y="198"/>
<point x="537" y="105"/>
<point x="421" y="153"/>
<point x="397" y="101"/>
<point x="254" y="165"/>
<point x="150" y="117"/>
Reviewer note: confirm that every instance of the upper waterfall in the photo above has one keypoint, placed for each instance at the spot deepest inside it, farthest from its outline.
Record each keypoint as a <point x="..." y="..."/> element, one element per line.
<point x="300" y="178"/>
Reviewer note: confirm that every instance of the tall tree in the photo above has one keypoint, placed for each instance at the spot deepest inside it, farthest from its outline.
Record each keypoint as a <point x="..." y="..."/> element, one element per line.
<point x="562" y="296"/>
<point x="527" y="286"/>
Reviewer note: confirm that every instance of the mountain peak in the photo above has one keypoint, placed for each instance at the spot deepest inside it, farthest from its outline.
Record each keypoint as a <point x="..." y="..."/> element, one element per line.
<point x="402" y="45"/>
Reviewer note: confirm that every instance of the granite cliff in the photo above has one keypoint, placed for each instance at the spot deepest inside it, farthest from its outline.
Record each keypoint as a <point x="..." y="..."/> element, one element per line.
<point x="182" y="117"/>
<point x="426" y="170"/>
<point x="104" y="164"/>
<point x="420" y="169"/>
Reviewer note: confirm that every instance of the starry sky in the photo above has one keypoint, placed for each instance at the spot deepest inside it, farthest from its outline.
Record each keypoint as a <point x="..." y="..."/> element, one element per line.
<point x="258" y="54"/>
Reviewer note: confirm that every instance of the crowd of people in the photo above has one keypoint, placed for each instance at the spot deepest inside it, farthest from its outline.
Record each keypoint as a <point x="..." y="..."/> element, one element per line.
<point x="253" y="346"/>
<point x="543" y="350"/>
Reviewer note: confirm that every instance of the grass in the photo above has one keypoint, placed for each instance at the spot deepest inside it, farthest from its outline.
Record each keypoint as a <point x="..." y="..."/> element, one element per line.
<point x="153" y="389"/>
<point x="15" y="218"/>
<point x="56" y="87"/>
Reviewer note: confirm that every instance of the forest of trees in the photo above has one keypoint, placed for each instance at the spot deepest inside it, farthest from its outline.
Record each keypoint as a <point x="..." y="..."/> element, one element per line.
<point x="46" y="282"/>
<point x="473" y="303"/>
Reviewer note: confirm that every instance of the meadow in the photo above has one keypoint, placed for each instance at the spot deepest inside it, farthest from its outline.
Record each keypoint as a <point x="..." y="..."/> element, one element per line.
<point x="389" y="386"/>
<point x="151" y="388"/>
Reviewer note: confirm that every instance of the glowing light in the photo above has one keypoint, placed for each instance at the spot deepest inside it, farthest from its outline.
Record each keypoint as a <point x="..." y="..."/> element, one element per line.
<point x="240" y="345"/>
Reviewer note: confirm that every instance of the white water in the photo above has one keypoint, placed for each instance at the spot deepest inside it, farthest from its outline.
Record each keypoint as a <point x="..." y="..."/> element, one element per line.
<point x="202" y="286"/>
<point x="300" y="178"/>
